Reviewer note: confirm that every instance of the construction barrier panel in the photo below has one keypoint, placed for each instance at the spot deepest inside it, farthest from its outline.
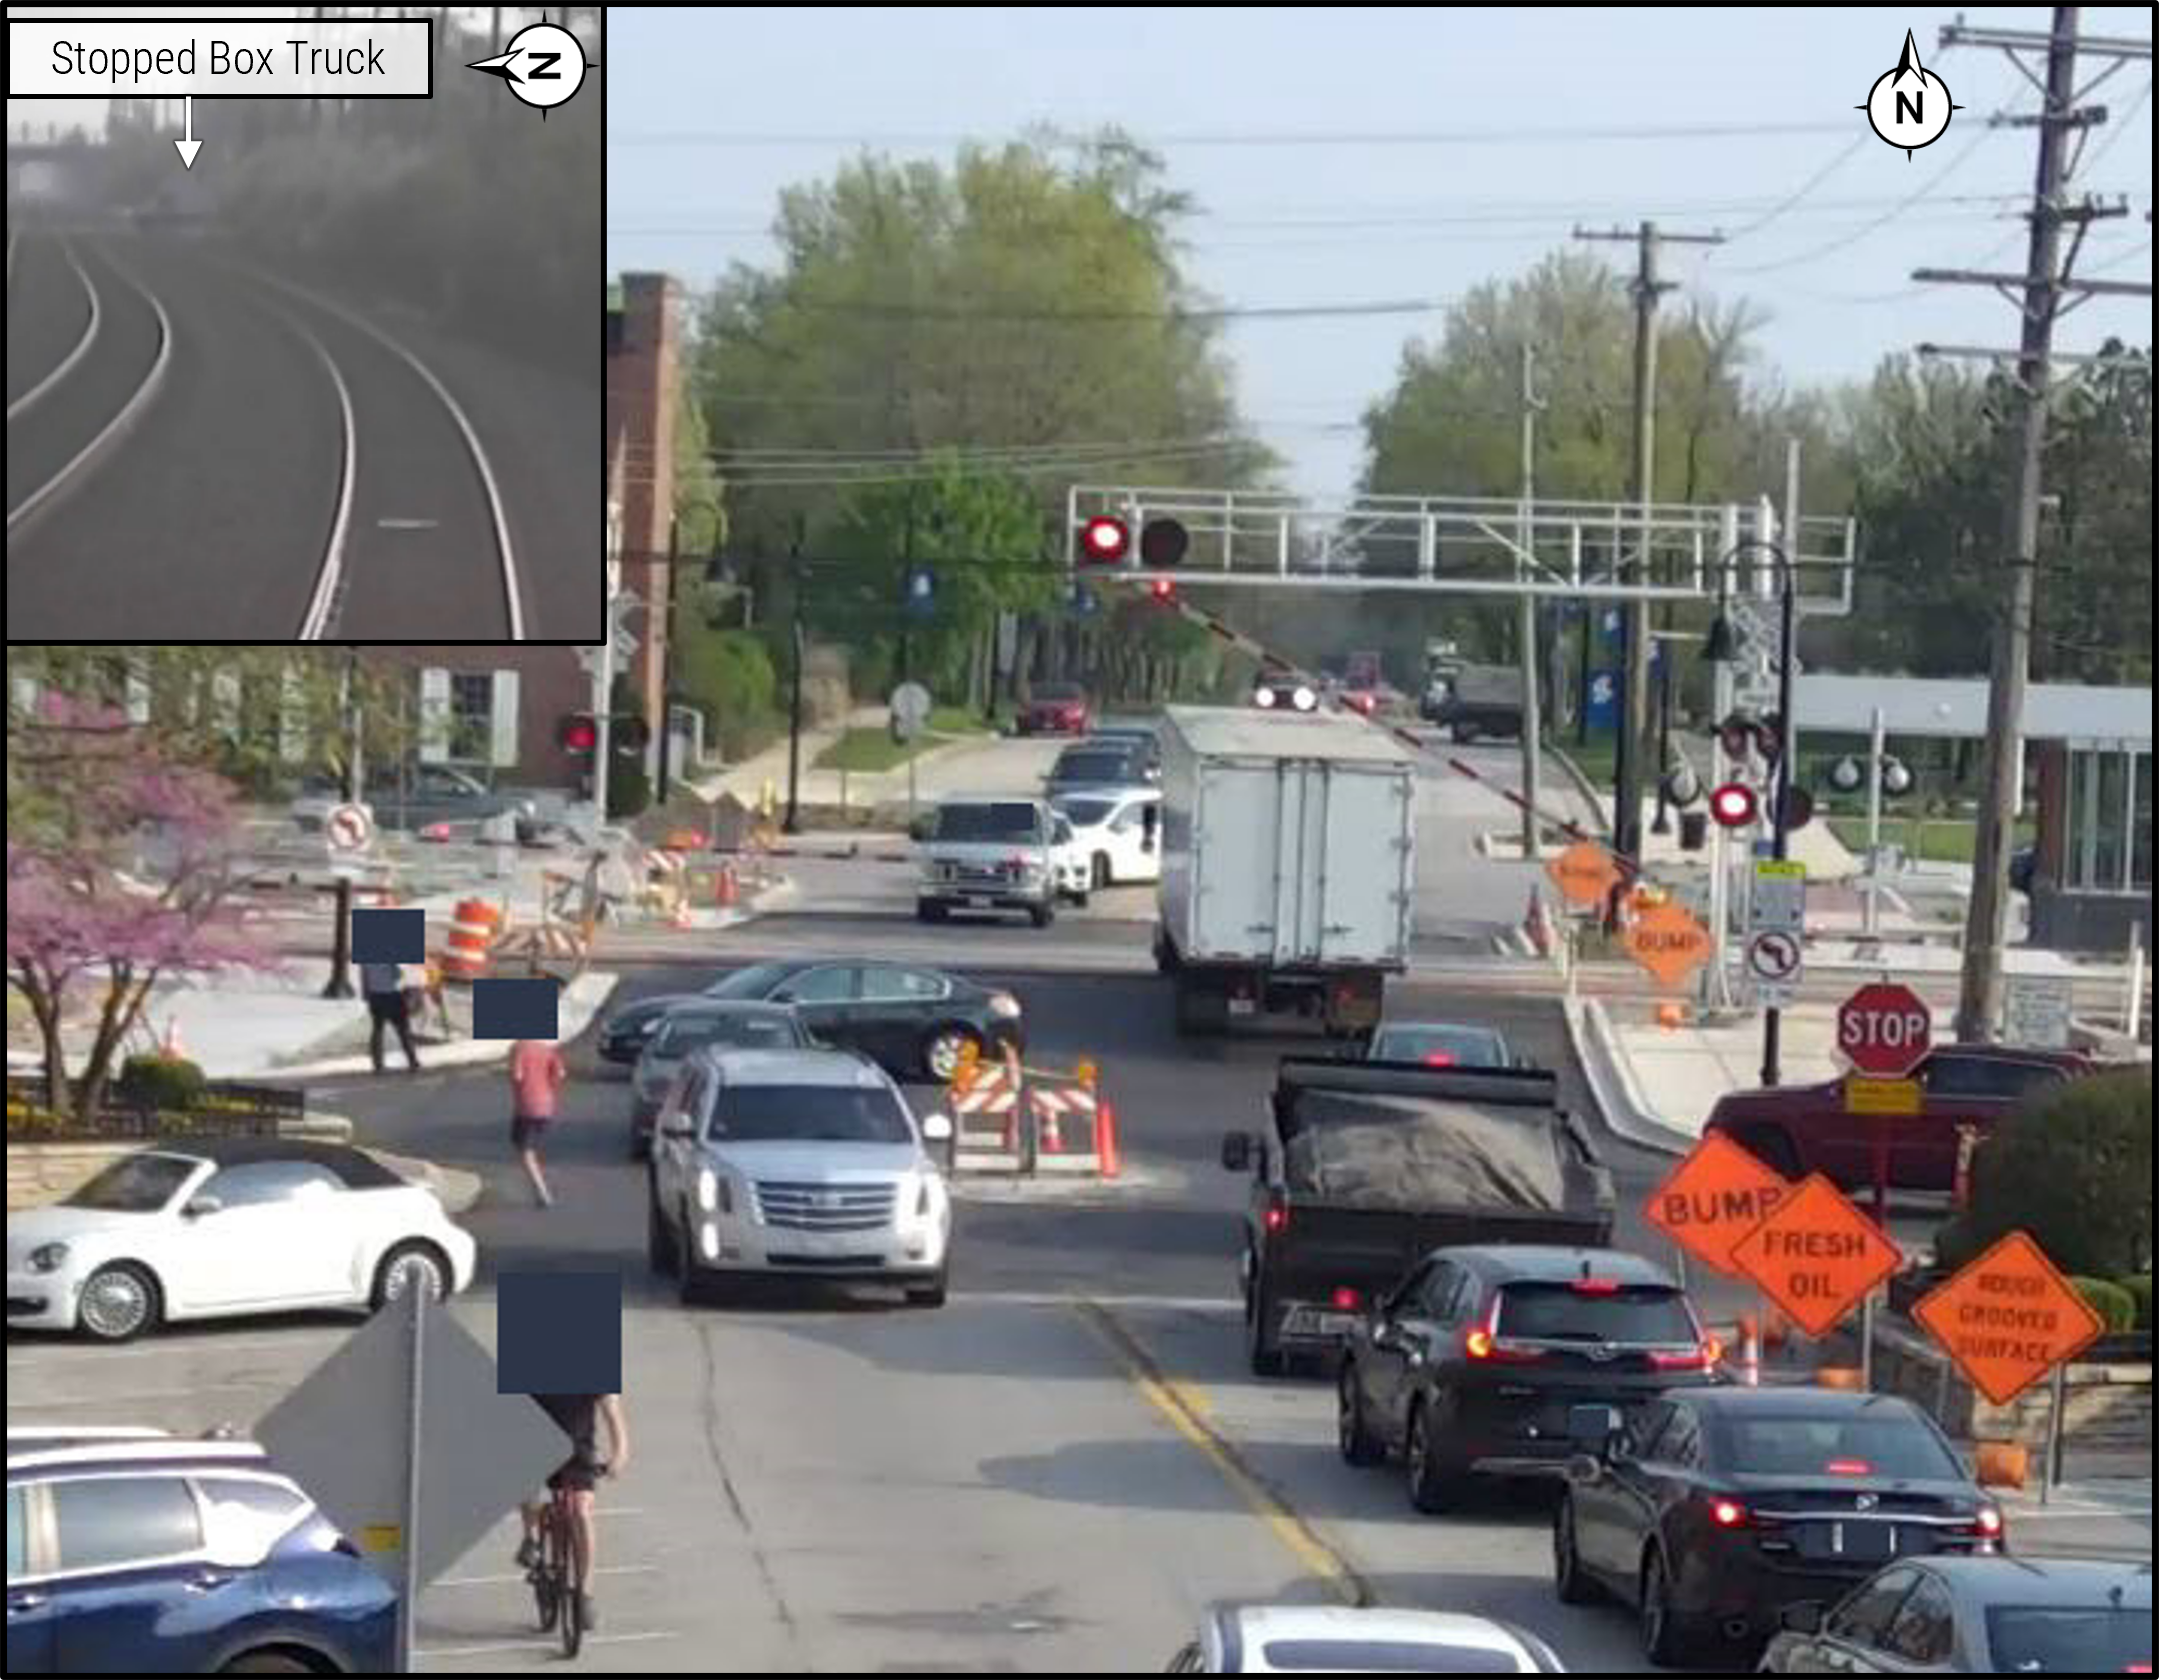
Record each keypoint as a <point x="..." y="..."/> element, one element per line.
<point x="1011" y="1118"/>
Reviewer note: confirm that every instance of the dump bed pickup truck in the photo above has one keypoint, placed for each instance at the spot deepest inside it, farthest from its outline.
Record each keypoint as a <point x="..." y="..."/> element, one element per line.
<point x="1365" y="1167"/>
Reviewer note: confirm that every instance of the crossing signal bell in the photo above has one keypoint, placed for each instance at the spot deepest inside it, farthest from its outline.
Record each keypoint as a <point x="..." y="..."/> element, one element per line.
<point x="1734" y="805"/>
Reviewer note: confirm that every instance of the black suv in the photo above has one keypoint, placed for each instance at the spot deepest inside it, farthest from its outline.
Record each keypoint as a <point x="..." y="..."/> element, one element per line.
<point x="1477" y="1358"/>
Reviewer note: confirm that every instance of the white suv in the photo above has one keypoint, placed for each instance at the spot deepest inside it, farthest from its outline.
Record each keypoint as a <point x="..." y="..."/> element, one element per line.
<point x="989" y="853"/>
<point x="801" y="1162"/>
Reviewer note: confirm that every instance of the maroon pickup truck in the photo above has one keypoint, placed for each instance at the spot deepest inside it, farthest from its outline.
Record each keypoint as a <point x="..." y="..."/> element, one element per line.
<point x="1800" y="1129"/>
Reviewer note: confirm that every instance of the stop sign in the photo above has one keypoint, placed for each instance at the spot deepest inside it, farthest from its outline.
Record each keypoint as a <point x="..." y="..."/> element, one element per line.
<point x="1884" y="1028"/>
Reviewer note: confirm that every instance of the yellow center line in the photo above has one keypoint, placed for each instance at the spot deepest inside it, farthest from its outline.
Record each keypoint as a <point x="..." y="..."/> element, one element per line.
<point x="1185" y="1405"/>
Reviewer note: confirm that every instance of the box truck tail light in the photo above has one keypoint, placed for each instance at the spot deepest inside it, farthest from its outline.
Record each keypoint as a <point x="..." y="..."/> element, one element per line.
<point x="1276" y="1217"/>
<point x="1348" y="1299"/>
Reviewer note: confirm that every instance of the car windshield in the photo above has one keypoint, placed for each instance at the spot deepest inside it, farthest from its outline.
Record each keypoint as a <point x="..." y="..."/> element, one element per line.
<point x="1461" y="1046"/>
<point x="133" y="1184"/>
<point x="683" y="1033"/>
<point x="1628" y="1312"/>
<point x="2069" y="1639"/>
<point x="1879" y="1441"/>
<point x="808" y="1113"/>
<point x="752" y="982"/>
<point x="1093" y="767"/>
<point x="1057" y="693"/>
<point x="1000" y="821"/>
<point x="1085" y="813"/>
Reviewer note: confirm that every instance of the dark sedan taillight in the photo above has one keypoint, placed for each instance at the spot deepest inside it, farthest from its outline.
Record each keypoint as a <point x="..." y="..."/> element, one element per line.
<point x="1275" y="1217"/>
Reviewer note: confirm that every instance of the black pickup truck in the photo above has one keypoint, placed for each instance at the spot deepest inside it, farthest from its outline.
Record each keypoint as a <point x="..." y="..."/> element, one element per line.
<point x="1367" y="1166"/>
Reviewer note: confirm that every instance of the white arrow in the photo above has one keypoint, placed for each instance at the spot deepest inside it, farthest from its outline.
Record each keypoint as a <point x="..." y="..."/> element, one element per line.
<point x="190" y="146"/>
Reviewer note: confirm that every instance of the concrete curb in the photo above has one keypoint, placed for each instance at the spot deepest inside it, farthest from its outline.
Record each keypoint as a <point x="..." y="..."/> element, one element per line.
<point x="584" y="997"/>
<point x="1611" y="1080"/>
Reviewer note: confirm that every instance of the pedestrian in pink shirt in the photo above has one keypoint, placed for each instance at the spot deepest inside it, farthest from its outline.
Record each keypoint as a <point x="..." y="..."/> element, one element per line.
<point x="536" y="1074"/>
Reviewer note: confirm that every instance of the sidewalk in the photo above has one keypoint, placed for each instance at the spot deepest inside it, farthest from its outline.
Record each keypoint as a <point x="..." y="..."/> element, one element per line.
<point x="865" y="789"/>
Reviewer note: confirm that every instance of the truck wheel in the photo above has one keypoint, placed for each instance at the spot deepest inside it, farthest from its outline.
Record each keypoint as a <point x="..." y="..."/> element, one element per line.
<point x="1042" y="914"/>
<point x="659" y="1243"/>
<point x="1098" y="873"/>
<point x="929" y="910"/>
<point x="1266" y="1357"/>
<point x="1465" y="733"/>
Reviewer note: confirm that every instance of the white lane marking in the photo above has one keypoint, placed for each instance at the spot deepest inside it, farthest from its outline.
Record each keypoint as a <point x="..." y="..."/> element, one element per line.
<point x="444" y="1653"/>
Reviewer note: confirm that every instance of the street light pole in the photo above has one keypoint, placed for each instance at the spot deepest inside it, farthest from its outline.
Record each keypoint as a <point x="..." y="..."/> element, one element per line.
<point x="794" y="719"/>
<point x="1663" y="654"/>
<point x="1780" y="799"/>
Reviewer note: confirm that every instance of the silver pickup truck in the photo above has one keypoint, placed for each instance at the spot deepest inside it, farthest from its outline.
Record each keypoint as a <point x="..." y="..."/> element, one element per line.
<point x="988" y="852"/>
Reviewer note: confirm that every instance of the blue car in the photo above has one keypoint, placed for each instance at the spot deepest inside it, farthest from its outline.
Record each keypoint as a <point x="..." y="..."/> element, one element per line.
<point x="136" y="1552"/>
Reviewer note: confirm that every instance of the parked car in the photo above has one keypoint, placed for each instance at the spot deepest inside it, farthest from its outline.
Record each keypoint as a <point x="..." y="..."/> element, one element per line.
<point x="152" y="1554"/>
<point x="1055" y="709"/>
<point x="227" y="1226"/>
<point x="1715" y="1508"/>
<point x="426" y="794"/>
<point x="1799" y="1129"/>
<point x="989" y="853"/>
<point x="1472" y="1364"/>
<point x="1954" y="1614"/>
<point x="797" y="1162"/>
<point x="1358" y="699"/>
<point x="1117" y="832"/>
<point x="1440" y="1044"/>
<point x="1087" y="765"/>
<point x="1343" y="1639"/>
<point x="911" y="1021"/>
<point x="1366" y="1169"/>
<point x="735" y="1022"/>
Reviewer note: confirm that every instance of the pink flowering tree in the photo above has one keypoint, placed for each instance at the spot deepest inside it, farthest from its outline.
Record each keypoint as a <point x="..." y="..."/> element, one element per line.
<point x="122" y="873"/>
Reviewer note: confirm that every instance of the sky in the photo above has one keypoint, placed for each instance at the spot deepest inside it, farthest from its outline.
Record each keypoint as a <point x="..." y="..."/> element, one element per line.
<point x="1349" y="157"/>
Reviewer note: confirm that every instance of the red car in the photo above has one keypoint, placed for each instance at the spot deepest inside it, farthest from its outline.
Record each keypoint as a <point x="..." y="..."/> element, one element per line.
<point x="1800" y="1129"/>
<point x="1056" y="709"/>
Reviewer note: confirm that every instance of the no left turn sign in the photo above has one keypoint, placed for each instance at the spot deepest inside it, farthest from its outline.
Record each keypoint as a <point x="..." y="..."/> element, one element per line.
<point x="1773" y="955"/>
<point x="349" y="828"/>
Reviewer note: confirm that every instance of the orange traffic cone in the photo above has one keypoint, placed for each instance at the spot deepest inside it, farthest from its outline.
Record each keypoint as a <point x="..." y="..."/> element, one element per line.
<point x="1105" y="1132"/>
<point x="1052" y="1139"/>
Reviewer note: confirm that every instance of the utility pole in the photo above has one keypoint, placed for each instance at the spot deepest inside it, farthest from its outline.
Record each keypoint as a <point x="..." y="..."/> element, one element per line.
<point x="794" y="698"/>
<point x="2045" y="287"/>
<point x="1532" y="720"/>
<point x="1634" y="685"/>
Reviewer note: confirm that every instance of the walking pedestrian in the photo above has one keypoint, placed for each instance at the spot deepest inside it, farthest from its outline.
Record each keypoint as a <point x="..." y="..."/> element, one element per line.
<point x="383" y="985"/>
<point x="536" y="1074"/>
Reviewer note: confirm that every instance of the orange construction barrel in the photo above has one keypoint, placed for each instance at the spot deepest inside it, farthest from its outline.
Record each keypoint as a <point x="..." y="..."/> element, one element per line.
<point x="473" y="932"/>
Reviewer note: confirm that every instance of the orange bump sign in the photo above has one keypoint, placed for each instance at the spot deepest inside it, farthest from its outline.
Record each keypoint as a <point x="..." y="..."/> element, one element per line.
<point x="1583" y="873"/>
<point x="1714" y="1197"/>
<point x="1816" y="1255"/>
<point x="2008" y="1318"/>
<point x="1668" y="942"/>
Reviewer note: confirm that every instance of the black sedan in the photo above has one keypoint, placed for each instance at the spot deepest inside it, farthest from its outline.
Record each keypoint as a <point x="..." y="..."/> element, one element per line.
<point x="913" y="1022"/>
<point x="625" y="1033"/>
<point x="1716" y="1507"/>
<point x="1977" y="1615"/>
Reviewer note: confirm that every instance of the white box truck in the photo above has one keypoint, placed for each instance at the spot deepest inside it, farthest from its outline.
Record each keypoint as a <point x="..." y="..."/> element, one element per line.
<point x="1288" y="864"/>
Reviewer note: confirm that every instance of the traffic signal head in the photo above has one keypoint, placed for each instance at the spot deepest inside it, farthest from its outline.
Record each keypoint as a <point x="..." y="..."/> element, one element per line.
<point x="1105" y="541"/>
<point x="1734" y="805"/>
<point x="580" y="734"/>
<point x="1162" y="544"/>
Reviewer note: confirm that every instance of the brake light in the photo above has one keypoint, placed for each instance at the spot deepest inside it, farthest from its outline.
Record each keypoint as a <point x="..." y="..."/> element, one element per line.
<point x="1482" y="1342"/>
<point x="1478" y="1343"/>
<point x="1438" y="1058"/>
<point x="1727" y="1513"/>
<point x="1701" y="1357"/>
<point x="1991" y="1525"/>
<point x="1847" y="1467"/>
<point x="1276" y="1217"/>
<point x="1348" y="1299"/>
<point x="1595" y="1286"/>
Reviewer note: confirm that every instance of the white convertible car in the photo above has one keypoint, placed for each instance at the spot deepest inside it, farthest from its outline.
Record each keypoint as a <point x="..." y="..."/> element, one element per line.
<point x="222" y="1227"/>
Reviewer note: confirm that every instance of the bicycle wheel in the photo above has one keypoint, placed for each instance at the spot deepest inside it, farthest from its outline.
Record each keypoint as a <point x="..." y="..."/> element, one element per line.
<point x="545" y="1599"/>
<point x="573" y="1619"/>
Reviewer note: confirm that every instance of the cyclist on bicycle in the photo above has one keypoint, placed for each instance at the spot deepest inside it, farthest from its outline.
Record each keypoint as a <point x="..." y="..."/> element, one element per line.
<point x="579" y="1416"/>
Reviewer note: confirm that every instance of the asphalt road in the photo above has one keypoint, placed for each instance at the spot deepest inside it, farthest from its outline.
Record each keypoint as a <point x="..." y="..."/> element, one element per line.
<point x="1053" y="1473"/>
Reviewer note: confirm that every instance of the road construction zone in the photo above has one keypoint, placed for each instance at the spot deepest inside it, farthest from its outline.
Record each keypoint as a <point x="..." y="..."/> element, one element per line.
<point x="1011" y="1118"/>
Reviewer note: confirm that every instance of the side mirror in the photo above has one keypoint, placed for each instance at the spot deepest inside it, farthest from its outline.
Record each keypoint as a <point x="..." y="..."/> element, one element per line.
<point x="1237" y="1150"/>
<point x="937" y="1127"/>
<point x="1803" y="1617"/>
<point x="675" y="1123"/>
<point x="198" y="1206"/>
